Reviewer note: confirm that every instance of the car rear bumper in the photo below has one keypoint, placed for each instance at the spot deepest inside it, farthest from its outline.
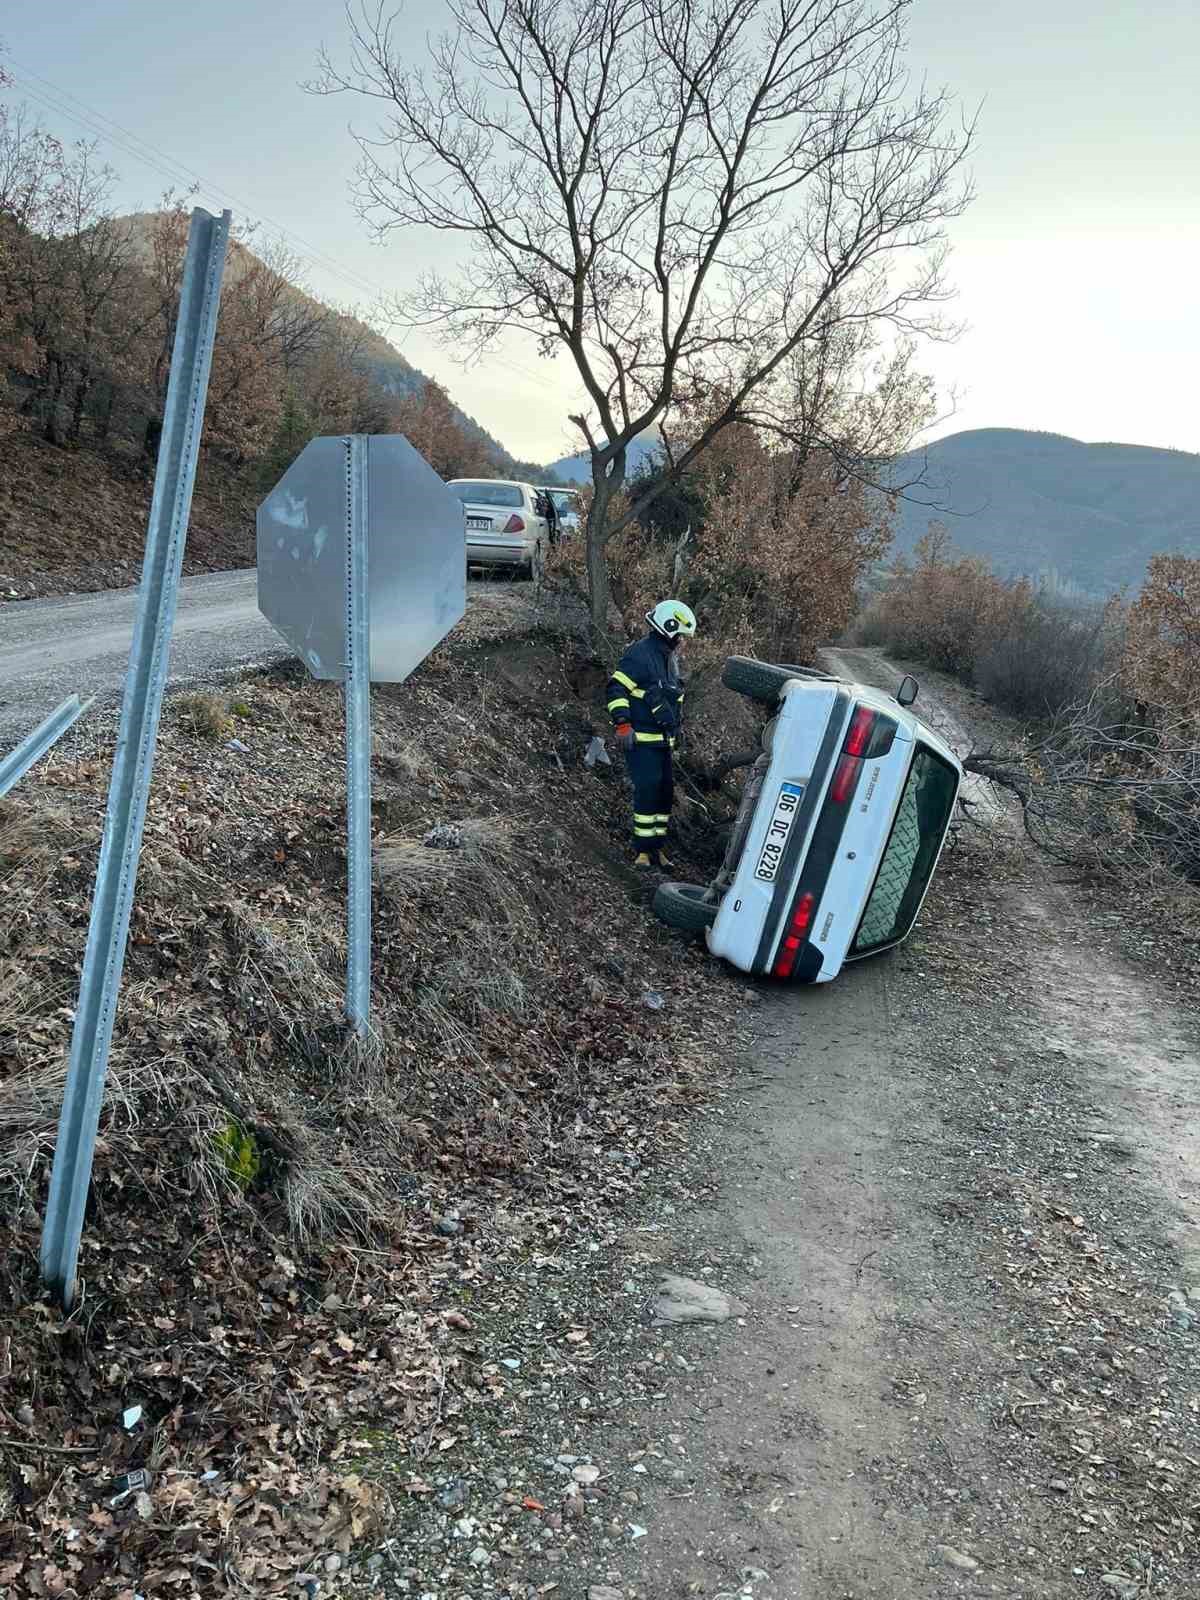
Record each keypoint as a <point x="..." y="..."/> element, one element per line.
<point x="491" y="552"/>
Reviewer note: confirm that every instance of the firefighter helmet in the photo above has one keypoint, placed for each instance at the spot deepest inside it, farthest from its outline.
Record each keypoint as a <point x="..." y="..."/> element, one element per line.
<point x="673" y="620"/>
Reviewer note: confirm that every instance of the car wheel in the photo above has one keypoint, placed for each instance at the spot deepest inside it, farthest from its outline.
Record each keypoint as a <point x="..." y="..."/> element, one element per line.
<point x="757" y="680"/>
<point x="682" y="906"/>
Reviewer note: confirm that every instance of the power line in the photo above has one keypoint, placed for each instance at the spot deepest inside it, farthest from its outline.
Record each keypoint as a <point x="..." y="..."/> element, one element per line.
<point x="113" y="132"/>
<point x="106" y="128"/>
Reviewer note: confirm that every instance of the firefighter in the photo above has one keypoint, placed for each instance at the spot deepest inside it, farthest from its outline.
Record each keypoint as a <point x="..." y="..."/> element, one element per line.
<point x="645" y="701"/>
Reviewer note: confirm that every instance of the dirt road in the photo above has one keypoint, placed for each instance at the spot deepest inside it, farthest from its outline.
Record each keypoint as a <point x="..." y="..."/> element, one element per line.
<point x="957" y="1194"/>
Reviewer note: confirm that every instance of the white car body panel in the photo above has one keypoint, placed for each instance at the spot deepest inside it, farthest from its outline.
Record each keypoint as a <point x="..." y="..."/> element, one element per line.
<point x="803" y="724"/>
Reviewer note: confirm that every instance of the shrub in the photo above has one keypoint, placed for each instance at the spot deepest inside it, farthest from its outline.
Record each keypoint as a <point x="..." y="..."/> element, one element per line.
<point x="1047" y="659"/>
<point x="1021" y="650"/>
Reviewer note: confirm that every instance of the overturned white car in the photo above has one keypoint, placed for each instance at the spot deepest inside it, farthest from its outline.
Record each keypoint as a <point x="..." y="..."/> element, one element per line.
<point x="841" y="825"/>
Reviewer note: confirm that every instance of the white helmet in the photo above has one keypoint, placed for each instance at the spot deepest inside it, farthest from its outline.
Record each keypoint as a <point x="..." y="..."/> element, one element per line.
<point x="673" y="620"/>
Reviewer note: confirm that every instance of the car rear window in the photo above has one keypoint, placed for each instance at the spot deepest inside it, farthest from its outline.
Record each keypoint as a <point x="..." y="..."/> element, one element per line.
<point x="488" y="494"/>
<point x="564" y="499"/>
<point x="917" y="833"/>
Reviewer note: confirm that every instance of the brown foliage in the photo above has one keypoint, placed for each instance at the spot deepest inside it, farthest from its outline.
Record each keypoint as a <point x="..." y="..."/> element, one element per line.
<point x="88" y="313"/>
<point x="1161" y="662"/>
<point x="428" y="422"/>
<point x="943" y="608"/>
<point x="771" y="563"/>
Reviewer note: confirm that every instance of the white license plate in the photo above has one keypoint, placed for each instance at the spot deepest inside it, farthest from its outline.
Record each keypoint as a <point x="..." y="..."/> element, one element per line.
<point x="484" y="524"/>
<point x="786" y="807"/>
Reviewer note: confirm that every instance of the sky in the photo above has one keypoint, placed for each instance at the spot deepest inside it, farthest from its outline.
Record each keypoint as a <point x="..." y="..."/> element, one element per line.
<point x="1076" y="265"/>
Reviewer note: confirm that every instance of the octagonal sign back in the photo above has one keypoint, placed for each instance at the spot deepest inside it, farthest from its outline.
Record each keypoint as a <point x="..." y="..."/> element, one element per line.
<point x="416" y="556"/>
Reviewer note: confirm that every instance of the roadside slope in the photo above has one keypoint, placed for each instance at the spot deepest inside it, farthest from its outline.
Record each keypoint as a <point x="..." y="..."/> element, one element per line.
<point x="283" y="1226"/>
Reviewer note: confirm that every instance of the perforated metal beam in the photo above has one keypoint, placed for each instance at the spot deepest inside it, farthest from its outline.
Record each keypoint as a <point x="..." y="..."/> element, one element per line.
<point x="18" y="762"/>
<point x="120" y="846"/>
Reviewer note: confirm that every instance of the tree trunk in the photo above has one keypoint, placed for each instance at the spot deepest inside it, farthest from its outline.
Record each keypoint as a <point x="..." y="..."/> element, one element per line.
<point x="605" y="487"/>
<point x="50" y="433"/>
<point x="107" y="414"/>
<point x="79" y="401"/>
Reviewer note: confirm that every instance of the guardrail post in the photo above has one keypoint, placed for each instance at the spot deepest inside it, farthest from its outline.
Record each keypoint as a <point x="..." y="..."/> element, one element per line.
<point x="120" y="846"/>
<point x="18" y="762"/>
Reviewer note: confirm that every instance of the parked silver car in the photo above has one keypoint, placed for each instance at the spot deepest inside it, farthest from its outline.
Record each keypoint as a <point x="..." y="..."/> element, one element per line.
<point x="504" y="527"/>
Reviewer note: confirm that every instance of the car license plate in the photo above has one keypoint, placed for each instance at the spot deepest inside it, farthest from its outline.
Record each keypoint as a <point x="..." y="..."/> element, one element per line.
<point x="786" y="807"/>
<point x="483" y="523"/>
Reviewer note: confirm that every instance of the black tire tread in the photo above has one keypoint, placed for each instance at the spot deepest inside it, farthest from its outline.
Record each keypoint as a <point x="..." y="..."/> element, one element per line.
<point x="680" y="906"/>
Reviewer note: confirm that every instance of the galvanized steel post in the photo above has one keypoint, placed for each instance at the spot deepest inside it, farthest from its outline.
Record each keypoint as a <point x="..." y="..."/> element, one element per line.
<point x="112" y="902"/>
<point x="18" y="762"/>
<point x="358" y="740"/>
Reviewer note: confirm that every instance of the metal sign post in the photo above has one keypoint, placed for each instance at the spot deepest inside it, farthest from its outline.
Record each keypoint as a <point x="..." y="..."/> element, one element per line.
<point x="358" y="744"/>
<point x="120" y="846"/>
<point x="362" y="569"/>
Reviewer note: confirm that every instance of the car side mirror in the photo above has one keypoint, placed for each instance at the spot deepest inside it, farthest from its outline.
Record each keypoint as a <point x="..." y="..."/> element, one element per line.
<point x="907" y="692"/>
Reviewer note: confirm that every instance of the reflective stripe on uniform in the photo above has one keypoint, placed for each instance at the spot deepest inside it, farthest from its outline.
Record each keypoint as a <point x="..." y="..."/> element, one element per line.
<point x="650" y="738"/>
<point x="647" y="819"/>
<point x="616" y="705"/>
<point x="625" y="681"/>
<point x="645" y="833"/>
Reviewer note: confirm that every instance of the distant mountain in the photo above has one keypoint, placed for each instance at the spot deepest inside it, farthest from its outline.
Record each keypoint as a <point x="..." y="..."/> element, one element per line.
<point x="578" y="469"/>
<point x="1042" y="503"/>
<point x="381" y="359"/>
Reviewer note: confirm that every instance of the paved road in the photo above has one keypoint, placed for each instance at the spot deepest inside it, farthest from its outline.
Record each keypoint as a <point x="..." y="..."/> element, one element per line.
<point x="50" y="648"/>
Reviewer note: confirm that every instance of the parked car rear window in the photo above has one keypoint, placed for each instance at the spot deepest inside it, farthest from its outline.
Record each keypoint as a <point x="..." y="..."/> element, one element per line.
<point x="489" y="494"/>
<point x="911" y="851"/>
<point x="565" y="500"/>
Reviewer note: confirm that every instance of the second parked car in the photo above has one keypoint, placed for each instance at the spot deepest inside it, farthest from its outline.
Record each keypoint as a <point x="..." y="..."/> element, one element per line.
<point x="504" y="527"/>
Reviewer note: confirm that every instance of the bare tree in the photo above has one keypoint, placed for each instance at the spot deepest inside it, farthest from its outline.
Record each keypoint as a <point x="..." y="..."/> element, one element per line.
<point x="679" y="196"/>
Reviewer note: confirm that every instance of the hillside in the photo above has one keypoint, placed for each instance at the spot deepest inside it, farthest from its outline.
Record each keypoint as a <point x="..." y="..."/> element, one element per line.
<point x="578" y="468"/>
<point x="394" y="374"/>
<point x="1035" y="503"/>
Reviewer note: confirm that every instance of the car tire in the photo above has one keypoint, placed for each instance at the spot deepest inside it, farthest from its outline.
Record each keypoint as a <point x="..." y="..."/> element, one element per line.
<point x="682" y="906"/>
<point x="757" y="680"/>
<point x="533" y="569"/>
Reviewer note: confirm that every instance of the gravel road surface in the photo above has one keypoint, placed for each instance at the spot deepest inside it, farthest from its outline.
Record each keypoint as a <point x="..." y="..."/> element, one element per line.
<point x="52" y="648"/>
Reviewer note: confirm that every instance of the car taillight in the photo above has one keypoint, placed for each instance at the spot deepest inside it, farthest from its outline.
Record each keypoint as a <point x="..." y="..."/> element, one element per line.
<point x="859" y="735"/>
<point x="869" y="735"/>
<point x="794" y="937"/>
<point x="515" y="524"/>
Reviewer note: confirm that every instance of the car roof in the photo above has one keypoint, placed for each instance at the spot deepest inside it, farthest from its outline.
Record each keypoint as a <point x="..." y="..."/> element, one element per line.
<point x="508" y="483"/>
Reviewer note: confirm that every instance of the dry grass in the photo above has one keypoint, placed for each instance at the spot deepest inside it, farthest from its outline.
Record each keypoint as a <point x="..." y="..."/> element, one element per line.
<point x="203" y="713"/>
<point x="33" y="840"/>
<point x="482" y="849"/>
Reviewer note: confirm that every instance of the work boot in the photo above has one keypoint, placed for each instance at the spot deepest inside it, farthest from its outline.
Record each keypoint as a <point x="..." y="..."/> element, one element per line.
<point x="665" y="861"/>
<point x="643" y="862"/>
